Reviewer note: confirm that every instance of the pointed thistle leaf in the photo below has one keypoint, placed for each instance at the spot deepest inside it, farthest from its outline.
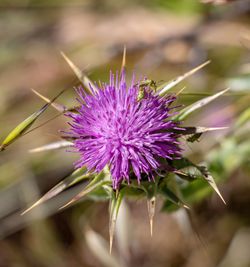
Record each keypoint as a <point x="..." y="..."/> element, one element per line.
<point x="187" y="170"/>
<point x="98" y="181"/>
<point x="165" y="88"/>
<point x="171" y="196"/>
<point x="52" y="146"/>
<point x="205" y="174"/>
<point x="77" y="176"/>
<point x="88" y="85"/>
<point x="187" y="174"/>
<point x="184" y="113"/>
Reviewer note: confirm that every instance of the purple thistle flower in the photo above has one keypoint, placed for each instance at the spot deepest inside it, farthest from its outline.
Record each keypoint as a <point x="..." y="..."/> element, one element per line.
<point x="114" y="127"/>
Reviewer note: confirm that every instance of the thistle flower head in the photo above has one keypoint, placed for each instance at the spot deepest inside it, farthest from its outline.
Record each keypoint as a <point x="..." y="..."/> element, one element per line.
<point x="126" y="127"/>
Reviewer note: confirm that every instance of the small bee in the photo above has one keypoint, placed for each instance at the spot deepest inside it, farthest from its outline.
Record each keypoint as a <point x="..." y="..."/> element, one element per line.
<point x="194" y="137"/>
<point x="145" y="83"/>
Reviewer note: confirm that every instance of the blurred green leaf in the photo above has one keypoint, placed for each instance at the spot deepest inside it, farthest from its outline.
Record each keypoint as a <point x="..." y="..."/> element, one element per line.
<point x="181" y="6"/>
<point x="196" y="191"/>
<point x="243" y="118"/>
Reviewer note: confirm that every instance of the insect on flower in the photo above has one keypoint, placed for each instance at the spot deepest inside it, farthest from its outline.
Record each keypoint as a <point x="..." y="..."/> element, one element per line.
<point x="147" y="83"/>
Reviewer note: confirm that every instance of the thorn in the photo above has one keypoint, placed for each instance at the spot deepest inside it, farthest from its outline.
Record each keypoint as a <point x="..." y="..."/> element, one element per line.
<point x="31" y="207"/>
<point x="53" y="192"/>
<point x="74" y="199"/>
<point x="151" y="221"/>
<point x="186" y="207"/>
<point x="151" y="212"/>
<point x="110" y="244"/>
<point x="181" y="91"/>
<point x="76" y="70"/>
<point x="67" y="204"/>
<point x="209" y="178"/>
<point x="124" y="58"/>
<point x="200" y="129"/>
<point x="111" y="234"/>
<point x="219" y="194"/>
<point x="182" y="77"/>
<point x="88" y="85"/>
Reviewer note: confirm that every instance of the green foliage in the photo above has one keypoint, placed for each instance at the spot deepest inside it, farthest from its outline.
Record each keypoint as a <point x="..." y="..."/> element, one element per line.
<point x="181" y="6"/>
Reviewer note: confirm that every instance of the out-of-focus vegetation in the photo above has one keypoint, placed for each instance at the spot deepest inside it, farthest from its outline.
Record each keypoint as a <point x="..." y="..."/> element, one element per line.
<point x="164" y="39"/>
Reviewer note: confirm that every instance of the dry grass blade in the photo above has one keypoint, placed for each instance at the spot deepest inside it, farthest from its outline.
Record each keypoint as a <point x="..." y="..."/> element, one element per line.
<point x="44" y="123"/>
<point x="57" y="106"/>
<point x="21" y="128"/>
<point x="52" y="146"/>
<point x="179" y="79"/>
<point x="88" y="85"/>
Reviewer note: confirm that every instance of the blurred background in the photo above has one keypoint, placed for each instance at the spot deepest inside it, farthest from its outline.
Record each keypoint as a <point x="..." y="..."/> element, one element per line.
<point x="164" y="39"/>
